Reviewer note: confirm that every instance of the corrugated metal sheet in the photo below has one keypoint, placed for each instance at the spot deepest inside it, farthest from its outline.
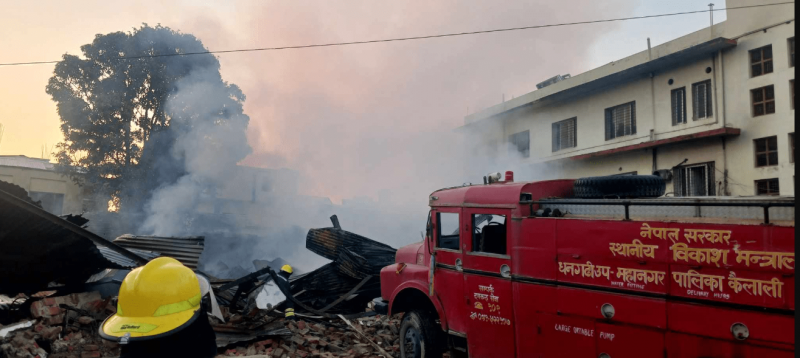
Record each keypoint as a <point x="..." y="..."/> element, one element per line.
<point x="187" y="250"/>
<point x="329" y="242"/>
<point x="354" y="258"/>
<point x="37" y="247"/>
<point x="124" y="261"/>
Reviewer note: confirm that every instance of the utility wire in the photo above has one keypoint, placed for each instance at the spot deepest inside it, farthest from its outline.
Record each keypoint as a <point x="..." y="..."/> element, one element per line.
<point x="415" y="37"/>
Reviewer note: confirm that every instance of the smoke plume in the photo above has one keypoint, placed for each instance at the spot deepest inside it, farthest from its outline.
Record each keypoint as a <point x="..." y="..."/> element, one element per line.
<point x="370" y="131"/>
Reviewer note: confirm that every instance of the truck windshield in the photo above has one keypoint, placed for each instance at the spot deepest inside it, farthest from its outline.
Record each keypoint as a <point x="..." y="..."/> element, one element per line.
<point x="448" y="231"/>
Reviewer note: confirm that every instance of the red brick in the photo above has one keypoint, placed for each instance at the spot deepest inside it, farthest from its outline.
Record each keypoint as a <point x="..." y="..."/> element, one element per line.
<point x="266" y="342"/>
<point x="91" y="347"/>
<point x="91" y="354"/>
<point x="55" y="320"/>
<point x="50" y="333"/>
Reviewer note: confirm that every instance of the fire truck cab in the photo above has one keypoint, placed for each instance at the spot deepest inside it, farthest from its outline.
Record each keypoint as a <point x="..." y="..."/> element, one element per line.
<point x="513" y="269"/>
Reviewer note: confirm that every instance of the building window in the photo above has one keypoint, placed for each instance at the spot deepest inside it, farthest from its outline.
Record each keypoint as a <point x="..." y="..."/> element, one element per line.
<point x="489" y="233"/>
<point x="447" y="231"/>
<point x="521" y="142"/>
<point x="767" y="187"/>
<point x="701" y="100"/>
<point x="766" y="151"/>
<point x="621" y="120"/>
<point x="791" y="88"/>
<point x="565" y="134"/>
<point x="791" y="52"/>
<point x="51" y="202"/>
<point x="694" y="180"/>
<point x="763" y="100"/>
<point x="761" y="61"/>
<point x="678" y="100"/>
<point x="791" y="146"/>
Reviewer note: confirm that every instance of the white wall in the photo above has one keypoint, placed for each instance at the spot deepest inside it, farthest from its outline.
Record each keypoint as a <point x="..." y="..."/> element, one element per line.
<point x="47" y="181"/>
<point x="738" y="84"/>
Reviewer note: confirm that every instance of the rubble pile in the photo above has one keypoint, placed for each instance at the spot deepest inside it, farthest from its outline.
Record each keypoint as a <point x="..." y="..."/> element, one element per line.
<point x="329" y="339"/>
<point x="67" y="326"/>
<point x="52" y="315"/>
<point x="61" y="327"/>
<point x="346" y="285"/>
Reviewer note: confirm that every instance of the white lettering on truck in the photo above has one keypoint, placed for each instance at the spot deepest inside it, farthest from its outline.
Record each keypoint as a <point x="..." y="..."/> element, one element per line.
<point x="562" y="328"/>
<point x="606" y="335"/>
<point x="583" y="331"/>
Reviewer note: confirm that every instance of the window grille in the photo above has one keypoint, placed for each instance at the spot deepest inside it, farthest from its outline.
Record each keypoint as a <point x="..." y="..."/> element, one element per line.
<point x="694" y="180"/>
<point x="678" y="106"/>
<point x="701" y="100"/>
<point x="565" y="134"/>
<point x="767" y="187"/>
<point x="621" y="120"/>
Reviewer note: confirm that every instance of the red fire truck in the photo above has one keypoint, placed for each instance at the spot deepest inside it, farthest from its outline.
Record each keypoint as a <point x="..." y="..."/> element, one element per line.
<point x="513" y="269"/>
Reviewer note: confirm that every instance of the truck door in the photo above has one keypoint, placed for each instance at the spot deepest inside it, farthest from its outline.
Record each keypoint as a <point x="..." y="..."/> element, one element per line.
<point x="490" y="331"/>
<point x="448" y="280"/>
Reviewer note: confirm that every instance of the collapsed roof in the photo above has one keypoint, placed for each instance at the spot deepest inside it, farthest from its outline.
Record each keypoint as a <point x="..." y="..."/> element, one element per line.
<point x="37" y="247"/>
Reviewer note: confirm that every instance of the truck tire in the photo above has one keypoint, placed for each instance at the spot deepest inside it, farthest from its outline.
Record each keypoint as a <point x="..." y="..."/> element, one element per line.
<point x="622" y="186"/>
<point x="419" y="336"/>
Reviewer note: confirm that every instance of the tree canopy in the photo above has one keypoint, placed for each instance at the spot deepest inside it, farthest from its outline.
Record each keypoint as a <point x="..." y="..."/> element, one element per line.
<point x="125" y="102"/>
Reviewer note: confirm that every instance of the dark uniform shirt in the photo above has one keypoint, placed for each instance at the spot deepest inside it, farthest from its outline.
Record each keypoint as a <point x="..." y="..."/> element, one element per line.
<point x="197" y="340"/>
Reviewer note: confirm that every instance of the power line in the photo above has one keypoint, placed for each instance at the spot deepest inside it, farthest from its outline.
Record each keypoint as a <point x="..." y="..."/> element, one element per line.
<point x="414" y="37"/>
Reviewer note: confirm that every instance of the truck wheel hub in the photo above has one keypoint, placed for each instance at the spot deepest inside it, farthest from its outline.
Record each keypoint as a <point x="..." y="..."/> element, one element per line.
<point x="411" y="343"/>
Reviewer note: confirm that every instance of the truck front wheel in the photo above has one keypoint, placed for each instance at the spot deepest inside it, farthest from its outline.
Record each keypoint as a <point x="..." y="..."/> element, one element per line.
<point x="419" y="336"/>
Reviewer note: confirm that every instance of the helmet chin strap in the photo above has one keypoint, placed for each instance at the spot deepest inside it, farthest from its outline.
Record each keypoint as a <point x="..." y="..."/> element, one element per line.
<point x="125" y="338"/>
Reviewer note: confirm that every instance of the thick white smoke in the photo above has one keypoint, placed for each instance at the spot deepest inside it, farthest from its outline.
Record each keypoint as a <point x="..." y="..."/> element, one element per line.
<point x="371" y="127"/>
<point x="209" y="143"/>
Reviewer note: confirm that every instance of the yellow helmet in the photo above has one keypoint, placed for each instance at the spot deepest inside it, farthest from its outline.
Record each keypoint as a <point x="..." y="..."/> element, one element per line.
<point x="157" y="299"/>
<point x="287" y="269"/>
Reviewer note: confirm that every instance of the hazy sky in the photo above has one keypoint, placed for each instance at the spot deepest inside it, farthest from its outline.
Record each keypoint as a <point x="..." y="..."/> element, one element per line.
<point x="354" y="120"/>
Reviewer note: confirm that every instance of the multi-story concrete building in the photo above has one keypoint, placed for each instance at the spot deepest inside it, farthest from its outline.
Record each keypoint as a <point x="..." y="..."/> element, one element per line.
<point x="57" y="193"/>
<point x="712" y="111"/>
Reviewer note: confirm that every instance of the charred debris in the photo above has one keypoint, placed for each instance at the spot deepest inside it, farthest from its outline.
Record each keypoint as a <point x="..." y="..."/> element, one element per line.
<point x="60" y="280"/>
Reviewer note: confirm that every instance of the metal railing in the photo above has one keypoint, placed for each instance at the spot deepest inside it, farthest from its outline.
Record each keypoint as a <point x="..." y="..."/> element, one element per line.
<point x="627" y="204"/>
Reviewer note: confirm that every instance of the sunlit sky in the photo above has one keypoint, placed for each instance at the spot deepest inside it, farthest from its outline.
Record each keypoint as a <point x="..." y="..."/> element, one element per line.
<point x="296" y="97"/>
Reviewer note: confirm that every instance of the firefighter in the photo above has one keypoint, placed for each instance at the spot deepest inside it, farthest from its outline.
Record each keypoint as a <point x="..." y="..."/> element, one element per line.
<point x="161" y="312"/>
<point x="283" y="284"/>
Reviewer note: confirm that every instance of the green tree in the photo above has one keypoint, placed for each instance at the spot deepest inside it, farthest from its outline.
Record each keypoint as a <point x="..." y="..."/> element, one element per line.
<point x="115" y="101"/>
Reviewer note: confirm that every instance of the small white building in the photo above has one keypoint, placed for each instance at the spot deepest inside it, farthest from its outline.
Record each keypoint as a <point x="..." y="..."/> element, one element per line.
<point x="712" y="111"/>
<point x="57" y="193"/>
